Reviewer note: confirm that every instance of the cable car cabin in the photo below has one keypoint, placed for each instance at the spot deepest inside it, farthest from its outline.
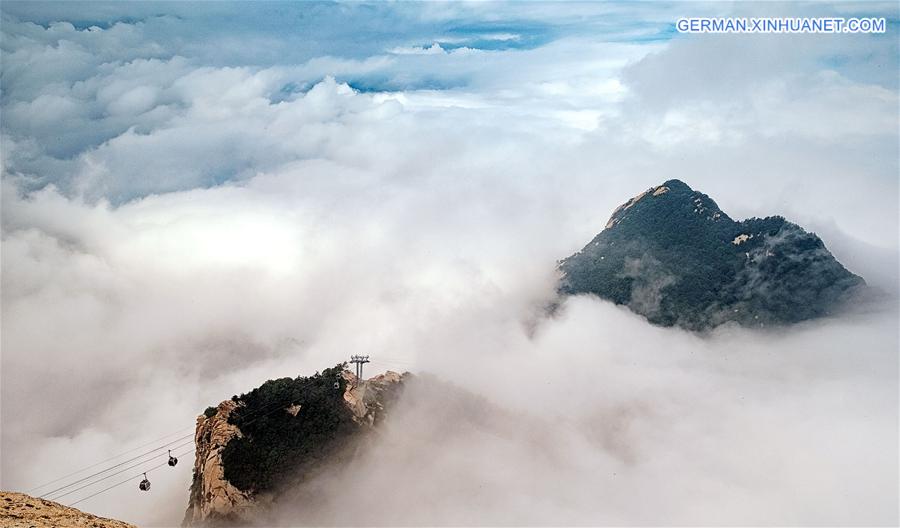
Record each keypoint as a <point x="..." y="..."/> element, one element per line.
<point x="145" y="484"/>
<point x="172" y="460"/>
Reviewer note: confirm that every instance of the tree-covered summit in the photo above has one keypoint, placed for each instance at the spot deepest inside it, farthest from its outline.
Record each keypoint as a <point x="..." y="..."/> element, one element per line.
<point x="287" y="425"/>
<point x="672" y="255"/>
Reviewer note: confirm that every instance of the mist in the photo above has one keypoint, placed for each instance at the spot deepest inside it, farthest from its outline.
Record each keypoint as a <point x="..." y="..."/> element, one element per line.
<point x="636" y="428"/>
<point x="196" y="201"/>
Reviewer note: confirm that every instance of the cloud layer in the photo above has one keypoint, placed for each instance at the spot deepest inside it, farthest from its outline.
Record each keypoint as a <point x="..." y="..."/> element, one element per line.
<point x="188" y="213"/>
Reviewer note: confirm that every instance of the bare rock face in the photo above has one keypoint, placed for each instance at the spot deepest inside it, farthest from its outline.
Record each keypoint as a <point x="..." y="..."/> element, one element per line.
<point x="18" y="510"/>
<point x="367" y="400"/>
<point x="214" y="501"/>
<point x="213" y="497"/>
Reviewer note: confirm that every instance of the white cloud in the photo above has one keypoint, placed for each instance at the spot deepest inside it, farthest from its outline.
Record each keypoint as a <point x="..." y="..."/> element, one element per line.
<point x="177" y="229"/>
<point x="434" y="49"/>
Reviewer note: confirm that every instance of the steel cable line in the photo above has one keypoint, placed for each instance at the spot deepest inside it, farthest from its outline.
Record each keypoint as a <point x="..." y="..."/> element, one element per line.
<point x="89" y="484"/>
<point x="386" y="358"/>
<point x="82" y="479"/>
<point x="393" y="364"/>
<point x="30" y="490"/>
<point x="394" y="360"/>
<point x="276" y="406"/>
<point x="271" y="409"/>
<point x="151" y="452"/>
<point x="104" y="490"/>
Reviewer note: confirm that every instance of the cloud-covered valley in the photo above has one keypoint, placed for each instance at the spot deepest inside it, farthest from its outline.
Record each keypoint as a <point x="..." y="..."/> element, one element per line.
<point x="187" y="213"/>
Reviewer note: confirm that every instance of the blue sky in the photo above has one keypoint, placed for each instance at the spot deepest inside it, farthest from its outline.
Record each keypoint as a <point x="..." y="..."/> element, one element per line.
<point x="507" y="53"/>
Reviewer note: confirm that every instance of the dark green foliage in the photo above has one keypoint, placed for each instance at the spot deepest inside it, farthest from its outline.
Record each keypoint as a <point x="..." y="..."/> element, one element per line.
<point x="210" y="412"/>
<point x="277" y="445"/>
<point x="671" y="257"/>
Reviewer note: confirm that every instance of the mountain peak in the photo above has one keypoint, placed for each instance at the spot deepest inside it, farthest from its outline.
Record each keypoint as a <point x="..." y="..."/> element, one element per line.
<point x="676" y="184"/>
<point x="662" y="202"/>
<point x="672" y="255"/>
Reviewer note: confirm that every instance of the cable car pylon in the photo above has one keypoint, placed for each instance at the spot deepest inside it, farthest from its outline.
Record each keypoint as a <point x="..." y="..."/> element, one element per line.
<point x="359" y="361"/>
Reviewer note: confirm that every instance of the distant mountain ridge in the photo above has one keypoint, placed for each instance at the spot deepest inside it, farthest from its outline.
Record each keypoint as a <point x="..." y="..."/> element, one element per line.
<point x="672" y="255"/>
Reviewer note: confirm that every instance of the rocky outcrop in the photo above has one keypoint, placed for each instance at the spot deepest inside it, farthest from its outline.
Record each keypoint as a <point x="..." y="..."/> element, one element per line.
<point x="216" y="501"/>
<point x="367" y="400"/>
<point x="18" y="510"/>
<point x="212" y="496"/>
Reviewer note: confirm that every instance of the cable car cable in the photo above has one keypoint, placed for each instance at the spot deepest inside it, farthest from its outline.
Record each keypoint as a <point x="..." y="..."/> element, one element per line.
<point x="88" y="477"/>
<point x="271" y="409"/>
<point x="275" y="406"/>
<point x="104" y="490"/>
<point x="89" y="484"/>
<point x="30" y="490"/>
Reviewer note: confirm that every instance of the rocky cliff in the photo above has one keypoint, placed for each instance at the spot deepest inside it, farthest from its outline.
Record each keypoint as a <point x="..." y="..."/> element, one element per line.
<point x="18" y="510"/>
<point x="212" y="496"/>
<point x="253" y="446"/>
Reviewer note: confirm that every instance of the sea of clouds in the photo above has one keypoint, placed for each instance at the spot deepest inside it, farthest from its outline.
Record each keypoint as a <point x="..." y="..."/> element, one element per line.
<point x="195" y="200"/>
